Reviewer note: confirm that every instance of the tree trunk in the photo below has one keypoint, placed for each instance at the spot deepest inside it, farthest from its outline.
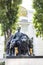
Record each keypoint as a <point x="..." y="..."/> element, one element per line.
<point x="8" y="33"/>
<point x="5" y="40"/>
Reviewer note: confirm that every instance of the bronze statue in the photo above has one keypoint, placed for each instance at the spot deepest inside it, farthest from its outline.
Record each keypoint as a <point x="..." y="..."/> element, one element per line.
<point x="21" y="43"/>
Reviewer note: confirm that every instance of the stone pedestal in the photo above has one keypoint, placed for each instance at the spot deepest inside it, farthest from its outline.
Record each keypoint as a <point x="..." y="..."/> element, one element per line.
<point x="24" y="61"/>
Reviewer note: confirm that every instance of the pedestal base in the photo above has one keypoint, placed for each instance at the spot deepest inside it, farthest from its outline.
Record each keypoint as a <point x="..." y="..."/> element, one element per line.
<point x="24" y="62"/>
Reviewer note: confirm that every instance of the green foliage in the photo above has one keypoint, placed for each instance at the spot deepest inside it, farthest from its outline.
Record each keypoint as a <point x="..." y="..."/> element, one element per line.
<point x="38" y="16"/>
<point x="8" y="13"/>
<point x="2" y="63"/>
<point x="22" y="11"/>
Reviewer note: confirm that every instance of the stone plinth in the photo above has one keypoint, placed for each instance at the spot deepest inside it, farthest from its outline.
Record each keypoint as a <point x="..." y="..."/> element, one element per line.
<point x="24" y="61"/>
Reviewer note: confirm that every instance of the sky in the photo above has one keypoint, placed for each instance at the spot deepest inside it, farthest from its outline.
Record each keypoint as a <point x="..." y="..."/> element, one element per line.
<point x="27" y="4"/>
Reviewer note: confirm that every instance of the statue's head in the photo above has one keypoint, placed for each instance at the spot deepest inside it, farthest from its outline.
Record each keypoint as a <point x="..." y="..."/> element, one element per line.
<point x="19" y="28"/>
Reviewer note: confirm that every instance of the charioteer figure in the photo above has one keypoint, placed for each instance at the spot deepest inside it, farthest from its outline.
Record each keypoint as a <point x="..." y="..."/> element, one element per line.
<point x="15" y="41"/>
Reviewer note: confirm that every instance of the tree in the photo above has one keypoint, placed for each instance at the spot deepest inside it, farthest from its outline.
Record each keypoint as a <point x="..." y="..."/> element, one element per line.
<point x="8" y="15"/>
<point x="22" y="11"/>
<point x="38" y="17"/>
<point x="2" y="63"/>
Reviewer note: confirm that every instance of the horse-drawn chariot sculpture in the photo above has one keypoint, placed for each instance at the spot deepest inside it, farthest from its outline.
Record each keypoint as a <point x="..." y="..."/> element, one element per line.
<point x="19" y="44"/>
